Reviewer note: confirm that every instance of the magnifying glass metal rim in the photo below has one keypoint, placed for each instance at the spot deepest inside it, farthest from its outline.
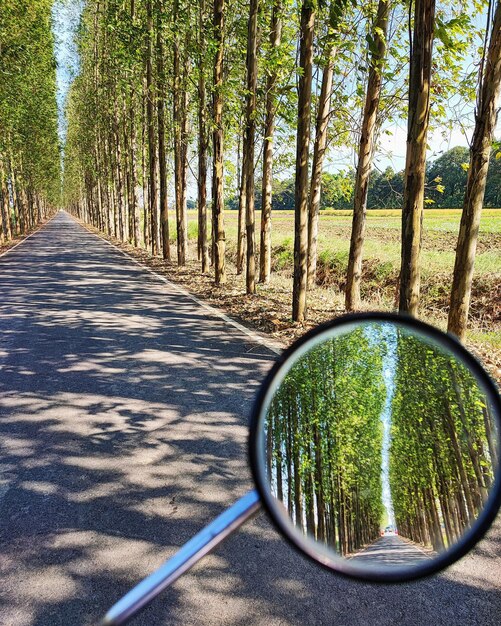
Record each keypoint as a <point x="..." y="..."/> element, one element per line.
<point x="307" y="545"/>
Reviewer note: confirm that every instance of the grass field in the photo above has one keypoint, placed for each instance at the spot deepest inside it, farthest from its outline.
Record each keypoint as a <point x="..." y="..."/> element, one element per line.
<point x="383" y="237"/>
<point x="382" y="264"/>
<point x="382" y="241"/>
<point x="270" y="312"/>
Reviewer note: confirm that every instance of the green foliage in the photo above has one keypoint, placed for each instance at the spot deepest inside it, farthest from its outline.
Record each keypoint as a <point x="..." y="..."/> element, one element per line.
<point x="324" y="441"/>
<point x="443" y="448"/>
<point x="29" y="143"/>
<point x="283" y="256"/>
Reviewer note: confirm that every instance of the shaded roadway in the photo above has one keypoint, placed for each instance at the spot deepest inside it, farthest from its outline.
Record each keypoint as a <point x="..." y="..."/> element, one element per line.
<point x="391" y="550"/>
<point x="123" y="413"/>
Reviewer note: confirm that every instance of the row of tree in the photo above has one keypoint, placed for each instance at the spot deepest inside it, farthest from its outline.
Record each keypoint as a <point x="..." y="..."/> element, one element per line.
<point x="443" y="450"/>
<point x="30" y="169"/>
<point x="175" y="85"/>
<point x="445" y="186"/>
<point x="324" y="442"/>
<point x="339" y="477"/>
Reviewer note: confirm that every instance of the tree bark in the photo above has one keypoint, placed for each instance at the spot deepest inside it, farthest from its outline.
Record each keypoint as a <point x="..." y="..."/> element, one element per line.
<point x="152" y="144"/>
<point x="119" y="179"/>
<point x="250" y="133"/>
<point x="164" y="207"/>
<point x="269" y="131"/>
<point x="144" y="159"/>
<point x="322" y="124"/>
<point x="179" y="114"/>
<point x="485" y="121"/>
<point x="5" y="207"/>
<point x="202" y="146"/>
<point x="133" y="153"/>
<point x="414" y="177"/>
<point x="365" y="157"/>
<point x="133" y="167"/>
<point x="302" y="150"/>
<point x="217" y="152"/>
<point x="241" y="235"/>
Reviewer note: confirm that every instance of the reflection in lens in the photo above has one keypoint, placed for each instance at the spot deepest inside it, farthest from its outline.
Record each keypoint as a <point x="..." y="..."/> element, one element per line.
<point x="381" y="446"/>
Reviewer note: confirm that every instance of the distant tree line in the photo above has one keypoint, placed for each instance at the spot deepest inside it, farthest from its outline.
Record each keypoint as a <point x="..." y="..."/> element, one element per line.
<point x="445" y="186"/>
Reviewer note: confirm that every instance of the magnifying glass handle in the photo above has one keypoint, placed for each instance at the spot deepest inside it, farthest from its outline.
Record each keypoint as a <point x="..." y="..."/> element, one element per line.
<point x="196" y="548"/>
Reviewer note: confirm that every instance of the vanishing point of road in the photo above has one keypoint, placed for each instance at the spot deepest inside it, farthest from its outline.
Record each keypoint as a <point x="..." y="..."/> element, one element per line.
<point x="123" y="421"/>
<point x="391" y="551"/>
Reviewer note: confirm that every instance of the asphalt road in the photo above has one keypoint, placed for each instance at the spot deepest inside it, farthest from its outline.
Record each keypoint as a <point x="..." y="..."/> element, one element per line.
<point x="123" y="413"/>
<point x="391" y="550"/>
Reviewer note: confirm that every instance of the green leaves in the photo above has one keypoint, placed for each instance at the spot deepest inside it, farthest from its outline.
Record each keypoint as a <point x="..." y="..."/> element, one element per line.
<point x="325" y="432"/>
<point x="28" y="109"/>
<point x="439" y="444"/>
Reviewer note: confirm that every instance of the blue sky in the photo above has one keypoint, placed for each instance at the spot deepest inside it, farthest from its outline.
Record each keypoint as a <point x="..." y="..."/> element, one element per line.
<point x="65" y="16"/>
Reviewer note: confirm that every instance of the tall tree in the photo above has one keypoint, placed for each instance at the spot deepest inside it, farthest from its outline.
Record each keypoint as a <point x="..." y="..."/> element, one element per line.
<point x="365" y="154"/>
<point x="203" y="141"/>
<point x="308" y="13"/>
<point x="152" y="137"/>
<point x="415" y="164"/>
<point x="250" y="132"/>
<point x="162" y="152"/>
<point x="217" y="146"/>
<point x="180" y="121"/>
<point x="269" y="131"/>
<point x="336" y="11"/>
<point x="480" y="151"/>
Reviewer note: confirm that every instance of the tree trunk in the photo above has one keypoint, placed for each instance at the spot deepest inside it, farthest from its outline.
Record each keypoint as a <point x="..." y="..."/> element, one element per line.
<point x="269" y="131"/>
<point x="250" y="133"/>
<point x="202" y="146"/>
<point x="133" y="153"/>
<point x="485" y="121"/>
<point x="128" y="198"/>
<point x="164" y="207"/>
<point x="302" y="150"/>
<point x="144" y="159"/>
<point x="365" y="156"/>
<point x="322" y="123"/>
<point x="100" y="202"/>
<point x="179" y="149"/>
<point x="107" y="166"/>
<point x="5" y="206"/>
<point x="217" y="153"/>
<point x="16" y="203"/>
<point x="152" y="145"/>
<point x="133" y="167"/>
<point x="414" y="177"/>
<point x="241" y="235"/>
<point x="119" y="180"/>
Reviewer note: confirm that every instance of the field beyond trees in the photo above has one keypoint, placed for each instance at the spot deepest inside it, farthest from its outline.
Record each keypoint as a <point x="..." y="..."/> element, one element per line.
<point x="271" y="313"/>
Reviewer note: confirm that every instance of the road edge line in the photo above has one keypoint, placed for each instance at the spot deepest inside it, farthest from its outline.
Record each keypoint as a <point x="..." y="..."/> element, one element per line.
<point x="255" y="336"/>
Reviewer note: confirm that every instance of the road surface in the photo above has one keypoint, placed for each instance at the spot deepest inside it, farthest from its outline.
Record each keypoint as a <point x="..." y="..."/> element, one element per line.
<point x="391" y="550"/>
<point x="123" y="413"/>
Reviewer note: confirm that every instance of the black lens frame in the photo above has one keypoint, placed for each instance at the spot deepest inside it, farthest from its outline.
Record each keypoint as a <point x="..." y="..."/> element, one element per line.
<point x="306" y="546"/>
